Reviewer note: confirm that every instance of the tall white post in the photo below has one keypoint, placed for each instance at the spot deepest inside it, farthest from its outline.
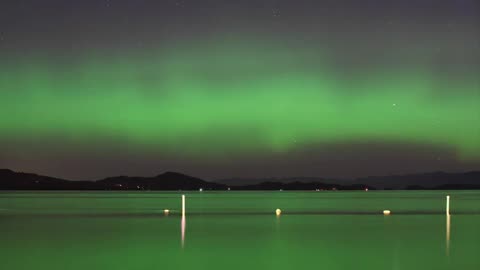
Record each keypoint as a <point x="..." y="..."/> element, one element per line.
<point x="183" y="205"/>
<point x="448" y="206"/>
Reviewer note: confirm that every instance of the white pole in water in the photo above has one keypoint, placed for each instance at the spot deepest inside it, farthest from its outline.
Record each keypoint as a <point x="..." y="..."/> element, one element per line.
<point x="448" y="205"/>
<point x="183" y="205"/>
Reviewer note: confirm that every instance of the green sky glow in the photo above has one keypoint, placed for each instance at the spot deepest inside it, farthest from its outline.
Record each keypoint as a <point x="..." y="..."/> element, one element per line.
<point x="235" y="98"/>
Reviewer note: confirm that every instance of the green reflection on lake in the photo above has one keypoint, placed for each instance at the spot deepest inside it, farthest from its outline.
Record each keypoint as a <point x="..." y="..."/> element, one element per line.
<point x="239" y="230"/>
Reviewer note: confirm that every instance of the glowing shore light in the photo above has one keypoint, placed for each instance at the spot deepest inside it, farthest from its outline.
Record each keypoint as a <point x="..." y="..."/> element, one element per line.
<point x="166" y="212"/>
<point x="278" y="212"/>
<point x="386" y="212"/>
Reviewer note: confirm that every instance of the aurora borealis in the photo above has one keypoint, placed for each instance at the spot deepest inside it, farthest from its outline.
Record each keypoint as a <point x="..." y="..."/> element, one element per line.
<point x="267" y="88"/>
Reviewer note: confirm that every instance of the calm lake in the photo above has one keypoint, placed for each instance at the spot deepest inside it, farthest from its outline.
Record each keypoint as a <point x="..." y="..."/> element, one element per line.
<point x="239" y="230"/>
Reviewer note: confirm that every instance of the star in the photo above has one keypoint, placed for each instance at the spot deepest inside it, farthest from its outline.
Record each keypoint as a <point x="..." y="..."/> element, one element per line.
<point x="180" y="3"/>
<point x="276" y="12"/>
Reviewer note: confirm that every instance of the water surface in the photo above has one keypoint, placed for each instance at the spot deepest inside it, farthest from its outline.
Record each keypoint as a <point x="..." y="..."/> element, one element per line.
<point x="239" y="230"/>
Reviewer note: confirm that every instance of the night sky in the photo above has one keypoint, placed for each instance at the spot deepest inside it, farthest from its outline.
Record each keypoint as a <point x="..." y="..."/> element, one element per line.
<point x="220" y="89"/>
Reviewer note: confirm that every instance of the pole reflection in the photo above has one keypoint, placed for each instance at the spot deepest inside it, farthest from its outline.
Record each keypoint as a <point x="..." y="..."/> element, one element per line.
<point x="448" y="235"/>
<point x="182" y="225"/>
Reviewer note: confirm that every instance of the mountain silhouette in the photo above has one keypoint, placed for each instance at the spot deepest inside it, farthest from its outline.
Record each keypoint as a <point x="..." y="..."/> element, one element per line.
<point x="165" y="181"/>
<point x="432" y="180"/>
<point x="10" y="180"/>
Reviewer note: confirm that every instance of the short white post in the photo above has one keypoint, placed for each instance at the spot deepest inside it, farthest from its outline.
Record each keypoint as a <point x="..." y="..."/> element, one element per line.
<point x="448" y="205"/>
<point x="183" y="205"/>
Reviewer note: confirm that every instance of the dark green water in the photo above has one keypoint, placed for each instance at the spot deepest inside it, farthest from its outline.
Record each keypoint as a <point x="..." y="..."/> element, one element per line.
<point x="239" y="230"/>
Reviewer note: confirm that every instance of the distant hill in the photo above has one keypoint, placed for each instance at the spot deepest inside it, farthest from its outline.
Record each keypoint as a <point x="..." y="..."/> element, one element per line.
<point x="10" y="180"/>
<point x="255" y="181"/>
<point x="24" y="181"/>
<point x="165" y="181"/>
<point x="431" y="180"/>
<point x="301" y="186"/>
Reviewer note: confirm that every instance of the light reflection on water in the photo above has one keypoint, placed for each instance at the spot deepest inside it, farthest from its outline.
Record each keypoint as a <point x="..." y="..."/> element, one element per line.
<point x="182" y="225"/>
<point x="448" y="235"/>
